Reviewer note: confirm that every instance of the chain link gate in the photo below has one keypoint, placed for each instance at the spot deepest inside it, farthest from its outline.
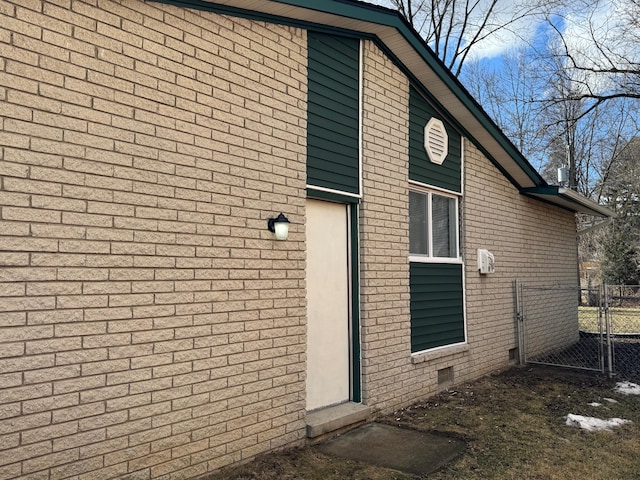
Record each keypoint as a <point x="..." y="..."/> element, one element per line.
<point x="595" y="328"/>
<point x="549" y="329"/>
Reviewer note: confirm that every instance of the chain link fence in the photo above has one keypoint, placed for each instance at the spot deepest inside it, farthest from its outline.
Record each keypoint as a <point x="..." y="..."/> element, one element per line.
<point x="550" y="331"/>
<point x="594" y="328"/>
<point x="622" y="303"/>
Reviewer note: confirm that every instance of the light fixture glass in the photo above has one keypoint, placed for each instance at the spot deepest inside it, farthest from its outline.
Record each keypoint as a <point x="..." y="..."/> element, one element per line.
<point x="279" y="226"/>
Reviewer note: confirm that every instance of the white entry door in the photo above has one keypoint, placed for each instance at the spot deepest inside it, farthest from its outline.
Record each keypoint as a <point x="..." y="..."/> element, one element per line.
<point x="328" y="357"/>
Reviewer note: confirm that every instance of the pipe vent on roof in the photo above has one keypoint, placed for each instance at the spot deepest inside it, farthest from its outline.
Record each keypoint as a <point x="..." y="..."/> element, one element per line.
<point x="436" y="141"/>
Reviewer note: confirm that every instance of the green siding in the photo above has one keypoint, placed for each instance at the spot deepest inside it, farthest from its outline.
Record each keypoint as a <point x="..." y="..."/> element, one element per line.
<point x="421" y="169"/>
<point x="437" y="313"/>
<point x="333" y="113"/>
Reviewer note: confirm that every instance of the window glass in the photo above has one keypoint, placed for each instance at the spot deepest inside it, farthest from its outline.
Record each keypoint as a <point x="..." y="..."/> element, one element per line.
<point x="444" y="226"/>
<point x="418" y="223"/>
<point x="435" y="280"/>
<point x="433" y="223"/>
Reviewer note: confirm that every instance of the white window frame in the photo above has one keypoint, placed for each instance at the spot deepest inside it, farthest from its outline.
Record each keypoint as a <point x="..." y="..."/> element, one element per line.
<point x="429" y="258"/>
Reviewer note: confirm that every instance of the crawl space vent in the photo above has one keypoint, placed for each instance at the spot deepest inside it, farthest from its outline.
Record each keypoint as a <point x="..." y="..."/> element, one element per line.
<point x="436" y="142"/>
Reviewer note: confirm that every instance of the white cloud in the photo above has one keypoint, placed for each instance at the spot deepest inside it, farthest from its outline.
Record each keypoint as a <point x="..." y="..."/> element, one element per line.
<point x="518" y="32"/>
<point x="578" y="21"/>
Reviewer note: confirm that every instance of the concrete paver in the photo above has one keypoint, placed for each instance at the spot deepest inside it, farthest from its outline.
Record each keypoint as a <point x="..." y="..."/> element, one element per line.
<point x="409" y="451"/>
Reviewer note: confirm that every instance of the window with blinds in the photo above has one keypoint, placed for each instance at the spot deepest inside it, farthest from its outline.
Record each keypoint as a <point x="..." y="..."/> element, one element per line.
<point x="433" y="225"/>
<point x="437" y="294"/>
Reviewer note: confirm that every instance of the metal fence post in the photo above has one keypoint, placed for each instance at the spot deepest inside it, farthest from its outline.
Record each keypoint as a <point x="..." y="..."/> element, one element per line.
<point x="520" y="321"/>
<point x="601" y="335"/>
<point x="607" y="320"/>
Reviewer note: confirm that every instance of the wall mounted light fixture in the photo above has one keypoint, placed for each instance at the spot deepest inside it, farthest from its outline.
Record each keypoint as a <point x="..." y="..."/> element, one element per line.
<point x="279" y="226"/>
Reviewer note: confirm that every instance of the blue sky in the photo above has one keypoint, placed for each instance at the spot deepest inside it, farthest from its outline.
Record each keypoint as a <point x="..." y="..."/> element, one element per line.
<point x="573" y="19"/>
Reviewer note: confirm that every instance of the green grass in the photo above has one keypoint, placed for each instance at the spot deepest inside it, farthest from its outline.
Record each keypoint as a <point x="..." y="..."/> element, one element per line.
<point x="514" y="426"/>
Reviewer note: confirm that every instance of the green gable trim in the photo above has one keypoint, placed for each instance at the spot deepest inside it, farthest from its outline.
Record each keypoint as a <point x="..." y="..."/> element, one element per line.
<point x="350" y="9"/>
<point x="210" y="6"/>
<point x="333" y="121"/>
<point x="437" y="311"/>
<point x="226" y="10"/>
<point x="421" y="169"/>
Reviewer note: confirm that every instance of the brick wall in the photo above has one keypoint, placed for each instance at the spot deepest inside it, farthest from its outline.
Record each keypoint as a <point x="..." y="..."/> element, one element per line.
<point x="384" y="225"/>
<point x="532" y="241"/>
<point x="150" y="326"/>
<point x="149" y="323"/>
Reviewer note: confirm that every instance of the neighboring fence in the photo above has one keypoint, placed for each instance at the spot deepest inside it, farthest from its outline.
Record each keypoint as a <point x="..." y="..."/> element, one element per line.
<point x="594" y="329"/>
<point x="623" y="309"/>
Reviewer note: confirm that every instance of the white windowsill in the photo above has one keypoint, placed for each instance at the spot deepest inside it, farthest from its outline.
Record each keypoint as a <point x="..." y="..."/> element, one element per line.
<point x="425" y="259"/>
<point x="429" y="355"/>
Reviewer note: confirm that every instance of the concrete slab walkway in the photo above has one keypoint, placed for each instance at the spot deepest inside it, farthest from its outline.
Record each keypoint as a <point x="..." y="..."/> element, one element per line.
<point x="409" y="451"/>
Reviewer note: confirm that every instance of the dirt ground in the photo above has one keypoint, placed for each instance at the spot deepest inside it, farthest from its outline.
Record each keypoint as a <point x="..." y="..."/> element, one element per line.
<point x="514" y="425"/>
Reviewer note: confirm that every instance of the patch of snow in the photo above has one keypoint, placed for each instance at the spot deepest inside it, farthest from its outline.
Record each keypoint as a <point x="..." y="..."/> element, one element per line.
<point x="610" y="400"/>
<point x="595" y="404"/>
<point x="628" y="388"/>
<point x="591" y="424"/>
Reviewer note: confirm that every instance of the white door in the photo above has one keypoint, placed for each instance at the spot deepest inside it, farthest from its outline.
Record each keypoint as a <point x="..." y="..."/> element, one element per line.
<point x="327" y="304"/>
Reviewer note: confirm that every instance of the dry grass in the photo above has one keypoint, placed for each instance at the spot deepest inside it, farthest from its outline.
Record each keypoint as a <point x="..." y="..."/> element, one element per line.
<point x="623" y="319"/>
<point x="588" y="319"/>
<point x="514" y="427"/>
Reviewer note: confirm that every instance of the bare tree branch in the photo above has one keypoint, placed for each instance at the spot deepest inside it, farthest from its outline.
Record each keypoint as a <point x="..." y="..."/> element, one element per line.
<point x="606" y="67"/>
<point x="454" y="27"/>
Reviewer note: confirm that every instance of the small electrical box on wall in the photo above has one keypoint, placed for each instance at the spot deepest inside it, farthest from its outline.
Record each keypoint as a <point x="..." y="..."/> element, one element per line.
<point x="486" y="262"/>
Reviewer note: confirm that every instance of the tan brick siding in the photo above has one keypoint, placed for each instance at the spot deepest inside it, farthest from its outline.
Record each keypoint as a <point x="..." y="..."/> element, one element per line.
<point x="384" y="235"/>
<point x="150" y="326"/>
<point x="149" y="323"/>
<point x="531" y="240"/>
<point x="391" y="379"/>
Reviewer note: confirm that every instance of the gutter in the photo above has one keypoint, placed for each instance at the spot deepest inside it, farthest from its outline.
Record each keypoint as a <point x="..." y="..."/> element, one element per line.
<point x="569" y="199"/>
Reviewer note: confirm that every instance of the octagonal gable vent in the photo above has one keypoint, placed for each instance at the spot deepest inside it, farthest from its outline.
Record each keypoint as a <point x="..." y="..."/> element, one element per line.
<point x="436" y="141"/>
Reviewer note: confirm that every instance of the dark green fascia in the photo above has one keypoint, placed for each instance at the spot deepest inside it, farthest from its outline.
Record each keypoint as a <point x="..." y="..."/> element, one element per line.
<point x="386" y="17"/>
<point x="568" y="200"/>
<point x="546" y="190"/>
<point x="224" y="10"/>
<point x="535" y="191"/>
<point x="263" y="17"/>
<point x="351" y="9"/>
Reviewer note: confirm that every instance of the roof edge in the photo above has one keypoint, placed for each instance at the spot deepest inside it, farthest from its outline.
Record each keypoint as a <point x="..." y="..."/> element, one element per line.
<point x="392" y="18"/>
<point x="511" y="161"/>
<point x="568" y="199"/>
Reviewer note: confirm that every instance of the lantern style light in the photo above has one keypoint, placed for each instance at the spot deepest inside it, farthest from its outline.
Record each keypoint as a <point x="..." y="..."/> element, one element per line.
<point x="279" y="226"/>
